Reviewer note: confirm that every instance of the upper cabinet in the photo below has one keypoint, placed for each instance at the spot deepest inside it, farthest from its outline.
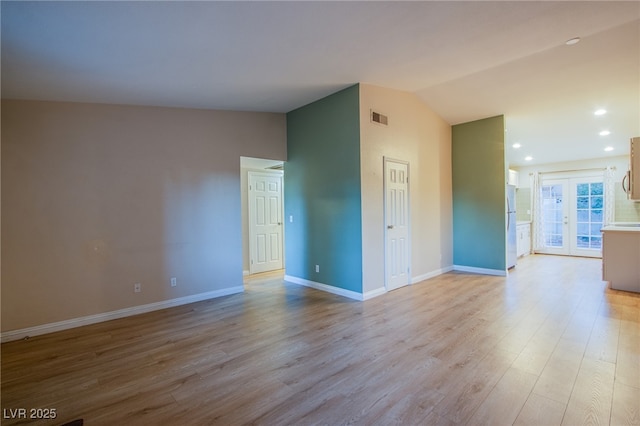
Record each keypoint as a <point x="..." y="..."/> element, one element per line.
<point x="631" y="181"/>
<point x="513" y="177"/>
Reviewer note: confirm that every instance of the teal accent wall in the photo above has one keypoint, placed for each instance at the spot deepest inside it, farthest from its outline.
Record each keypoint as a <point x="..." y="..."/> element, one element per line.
<point x="322" y="191"/>
<point x="479" y="187"/>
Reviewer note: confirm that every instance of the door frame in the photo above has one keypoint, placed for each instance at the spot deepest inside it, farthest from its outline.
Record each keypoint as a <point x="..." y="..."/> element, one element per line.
<point x="569" y="229"/>
<point x="386" y="160"/>
<point x="251" y="214"/>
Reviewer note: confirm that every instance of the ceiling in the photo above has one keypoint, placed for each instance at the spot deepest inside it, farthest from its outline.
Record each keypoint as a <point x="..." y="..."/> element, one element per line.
<point x="466" y="60"/>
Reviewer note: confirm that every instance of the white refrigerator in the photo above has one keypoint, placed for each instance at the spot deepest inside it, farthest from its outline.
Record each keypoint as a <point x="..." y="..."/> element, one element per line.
<point x="512" y="250"/>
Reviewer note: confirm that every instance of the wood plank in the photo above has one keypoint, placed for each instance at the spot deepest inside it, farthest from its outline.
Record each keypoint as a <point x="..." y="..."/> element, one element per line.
<point x="628" y="359"/>
<point x="456" y="349"/>
<point x="625" y="409"/>
<point x="539" y="410"/>
<point x="463" y="396"/>
<point x="506" y="399"/>
<point x="591" y="399"/>
<point x="558" y="377"/>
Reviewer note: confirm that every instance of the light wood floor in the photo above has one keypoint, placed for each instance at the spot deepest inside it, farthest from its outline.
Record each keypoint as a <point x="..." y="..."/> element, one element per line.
<point x="549" y="345"/>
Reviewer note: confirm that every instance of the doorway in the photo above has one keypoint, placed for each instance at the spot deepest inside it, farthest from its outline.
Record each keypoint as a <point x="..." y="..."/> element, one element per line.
<point x="396" y="221"/>
<point x="265" y="166"/>
<point x="572" y="216"/>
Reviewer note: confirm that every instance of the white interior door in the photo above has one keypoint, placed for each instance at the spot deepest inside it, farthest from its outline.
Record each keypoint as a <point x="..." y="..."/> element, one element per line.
<point x="265" y="222"/>
<point x="396" y="215"/>
<point x="573" y="214"/>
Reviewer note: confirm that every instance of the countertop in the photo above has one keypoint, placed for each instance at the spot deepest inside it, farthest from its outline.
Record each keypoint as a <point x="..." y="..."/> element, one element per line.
<point x="622" y="227"/>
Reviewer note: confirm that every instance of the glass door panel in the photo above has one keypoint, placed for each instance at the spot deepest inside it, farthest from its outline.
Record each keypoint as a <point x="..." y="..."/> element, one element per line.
<point x="554" y="214"/>
<point x="587" y="219"/>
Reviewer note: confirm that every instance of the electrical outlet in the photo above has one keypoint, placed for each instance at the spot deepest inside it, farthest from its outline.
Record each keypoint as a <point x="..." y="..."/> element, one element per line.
<point x="291" y="218"/>
<point x="174" y="282"/>
<point x="317" y="268"/>
<point x="137" y="288"/>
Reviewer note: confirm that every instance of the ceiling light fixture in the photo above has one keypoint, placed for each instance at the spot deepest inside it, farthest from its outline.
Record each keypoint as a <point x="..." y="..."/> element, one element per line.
<point x="605" y="133"/>
<point x="572" y="41"/>
<point x="609" y="148"/>
<point x="516" y="145"/>
<point x="528" y="158"/>
<point x="600" y="111"/>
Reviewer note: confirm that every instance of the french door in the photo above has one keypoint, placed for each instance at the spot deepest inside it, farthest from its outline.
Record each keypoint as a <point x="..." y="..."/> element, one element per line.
<point x="573" y="214"/>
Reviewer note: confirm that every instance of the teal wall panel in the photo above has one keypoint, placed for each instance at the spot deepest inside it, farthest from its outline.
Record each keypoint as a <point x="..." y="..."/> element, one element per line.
<point x="322" y="191"/>
<point x="479" y="216"/>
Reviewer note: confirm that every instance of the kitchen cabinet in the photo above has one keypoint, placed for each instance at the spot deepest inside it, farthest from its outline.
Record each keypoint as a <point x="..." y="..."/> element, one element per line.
<point x="620" y="254"/>
<point x="523" y="235"/>
<point x="513" y="178"/>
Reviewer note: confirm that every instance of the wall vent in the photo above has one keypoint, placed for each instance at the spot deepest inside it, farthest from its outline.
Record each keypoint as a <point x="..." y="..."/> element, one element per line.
<point x="376" y="117"/>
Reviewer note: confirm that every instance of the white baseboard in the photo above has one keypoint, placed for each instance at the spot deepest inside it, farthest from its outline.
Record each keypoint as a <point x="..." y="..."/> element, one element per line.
<point x="8" y="336"/>
<point x="482" y="271"/>
<point x="324" y="287"/>
<point x="359" y="296"/>
<point x="374" y="293"/>
<point x="245" y="273"/>
<point x="431" y="274"/>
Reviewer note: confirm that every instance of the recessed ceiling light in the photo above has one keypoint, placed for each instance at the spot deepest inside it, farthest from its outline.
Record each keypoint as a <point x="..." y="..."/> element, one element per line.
<point x="516" y="145"/>
<point x="609" y="148"/>
<point x="605" y="133"/>
<point x="528" y="158"/>
<point x="600" y="111"/>
<point x="572" y="41"/>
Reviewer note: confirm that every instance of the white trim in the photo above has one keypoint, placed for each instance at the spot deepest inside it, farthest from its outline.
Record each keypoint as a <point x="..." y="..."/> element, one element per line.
<point x="245" y="273"/>
<point x="324" y="287"/>
<point x="8" y="336"/>
<point x="483" y="271"/>
<point x="374" y="293"/>
<point x="431" y="274"/>
<point x="382" y="290"/>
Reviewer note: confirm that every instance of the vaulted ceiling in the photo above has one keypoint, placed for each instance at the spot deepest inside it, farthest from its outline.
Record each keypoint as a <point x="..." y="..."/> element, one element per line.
<point x="466" y="60"/>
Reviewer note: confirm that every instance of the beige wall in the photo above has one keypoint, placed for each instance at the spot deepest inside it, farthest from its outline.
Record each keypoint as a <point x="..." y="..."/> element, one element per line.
<point x="98" y="197"/>
<point x="417" y="135"/>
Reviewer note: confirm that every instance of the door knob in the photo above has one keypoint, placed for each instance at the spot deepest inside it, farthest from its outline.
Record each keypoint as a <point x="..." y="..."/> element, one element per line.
<point x="389" y="226"/>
